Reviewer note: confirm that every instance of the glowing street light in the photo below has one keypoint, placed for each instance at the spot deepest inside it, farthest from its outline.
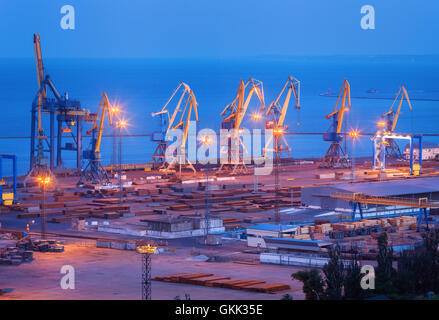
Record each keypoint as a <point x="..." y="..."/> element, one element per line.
<point x="381" y="124"/>
<point x="256" y="116"/>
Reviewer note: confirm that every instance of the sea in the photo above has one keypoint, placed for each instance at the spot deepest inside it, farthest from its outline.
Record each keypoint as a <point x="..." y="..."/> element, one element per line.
<point x="142" y="86"/>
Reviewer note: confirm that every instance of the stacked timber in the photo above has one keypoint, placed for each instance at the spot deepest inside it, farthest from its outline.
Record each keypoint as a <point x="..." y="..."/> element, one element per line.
<point x="210" y="280"/>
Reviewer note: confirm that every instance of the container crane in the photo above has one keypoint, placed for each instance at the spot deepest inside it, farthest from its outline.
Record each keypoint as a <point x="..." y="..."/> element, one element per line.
<point x="185" y="105"/>
<point x="93" y="171"/>
<point x="66" y="112"/>
<point x="278" y="114"/>
<point x="391" y="147"/>
<point x="336" y="157"/>
<point x="233" y="115"/>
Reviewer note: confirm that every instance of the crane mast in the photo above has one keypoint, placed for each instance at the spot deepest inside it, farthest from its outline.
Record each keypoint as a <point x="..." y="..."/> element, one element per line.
<point x="93" y="171"/>
<point x="234" y="114"/>
<point x="336" y="157"/>
<point x="278" y="113"/>
<point x="391" y="147"/>
<point x="187" y="103"/>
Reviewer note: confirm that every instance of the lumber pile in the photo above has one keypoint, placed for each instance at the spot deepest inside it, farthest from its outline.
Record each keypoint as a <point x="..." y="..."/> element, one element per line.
<point x="210" y="280"/>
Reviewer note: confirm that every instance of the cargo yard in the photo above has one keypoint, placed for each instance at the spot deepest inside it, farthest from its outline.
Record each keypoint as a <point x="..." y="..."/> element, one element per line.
<point x="216" y="226"/>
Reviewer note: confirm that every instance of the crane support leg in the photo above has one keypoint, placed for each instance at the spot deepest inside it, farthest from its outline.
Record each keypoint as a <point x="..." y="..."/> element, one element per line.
<point x="423" y="213"/>
<point x="354" y="210"/>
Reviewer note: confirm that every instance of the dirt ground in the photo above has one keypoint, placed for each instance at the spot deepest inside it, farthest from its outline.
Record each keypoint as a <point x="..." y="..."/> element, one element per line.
<point x="116" y="274"/>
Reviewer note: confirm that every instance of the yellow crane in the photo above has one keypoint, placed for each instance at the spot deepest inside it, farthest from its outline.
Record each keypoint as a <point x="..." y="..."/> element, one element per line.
<point x="233" y="115"/>
<point x="392" y="116"/>
<point x="278" y="113"/>
<point x="185" y="105"/>
<point x="335" y="157"/>
<point x="93" y="172"/>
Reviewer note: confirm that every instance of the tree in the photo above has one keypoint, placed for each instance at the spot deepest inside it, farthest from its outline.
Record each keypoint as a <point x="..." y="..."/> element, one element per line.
<point x="287" y="297"/>
<point x="385" y="273"/>
<point x="312" y="283"/>
<point x="352" y="281"/>
<point x="334" y="273"/>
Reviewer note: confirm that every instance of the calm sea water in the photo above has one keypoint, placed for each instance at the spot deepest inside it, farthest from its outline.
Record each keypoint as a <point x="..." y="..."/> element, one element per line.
<point x="143" y="86"/>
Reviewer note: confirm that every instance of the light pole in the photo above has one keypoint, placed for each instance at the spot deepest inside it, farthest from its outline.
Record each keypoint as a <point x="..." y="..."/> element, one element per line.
<point x="206" y="141"/>
<point x="115" y="112"/>
<point x="121" y="124"/>
<point x="256" y="116"/>
<point x="353" y="134"/>
<point x="44" y="181"/>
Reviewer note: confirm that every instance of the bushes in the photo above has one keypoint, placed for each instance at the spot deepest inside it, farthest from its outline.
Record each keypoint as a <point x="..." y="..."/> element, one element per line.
<point x="417" y="273"/>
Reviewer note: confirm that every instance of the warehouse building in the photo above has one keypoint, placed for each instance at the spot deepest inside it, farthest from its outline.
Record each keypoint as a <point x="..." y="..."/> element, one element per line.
<point x="257" y="233"/>
<point x="320" y="196"/>
<point x="430" y="151"/>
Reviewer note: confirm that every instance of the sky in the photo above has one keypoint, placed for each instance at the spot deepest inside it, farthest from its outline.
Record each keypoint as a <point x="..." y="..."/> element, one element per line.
<point x="218" y="29"/>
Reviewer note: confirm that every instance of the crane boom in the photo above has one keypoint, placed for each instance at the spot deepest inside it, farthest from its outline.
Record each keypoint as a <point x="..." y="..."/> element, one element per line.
<point x="104" y="108"/>
<point x="187" y="98"/>
<point x="391" y="125"/>
<point x="345" y="92"/>
<point x="293" y="86"/>
<point x="238" y="107"/>
<point x="39" y="63"/>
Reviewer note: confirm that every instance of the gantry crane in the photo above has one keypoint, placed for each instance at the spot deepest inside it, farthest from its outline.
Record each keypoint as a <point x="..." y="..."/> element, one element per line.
<point x="234" y="152"/>
<point x="392" y="116"/>
<point x="93" y="171"/>
<point x="336" y="157"/>
<point x="278" y="114"/>
<point x="68" y="112"/>
<point x="189" y="102"/>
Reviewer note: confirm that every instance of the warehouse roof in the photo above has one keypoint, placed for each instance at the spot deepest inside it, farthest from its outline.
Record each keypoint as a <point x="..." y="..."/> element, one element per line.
<point x="296" y="244"/>
<point x="392" y="188"/>
<point x="273" y="227"/>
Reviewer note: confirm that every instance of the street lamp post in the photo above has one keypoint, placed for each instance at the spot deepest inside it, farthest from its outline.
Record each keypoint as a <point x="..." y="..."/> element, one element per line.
<point x="115" y="112"/>
<point x="354" y="134"/>
<point x="121" y="124"/>
<point x="207" y="141"/>
<point x="44" y="181"/>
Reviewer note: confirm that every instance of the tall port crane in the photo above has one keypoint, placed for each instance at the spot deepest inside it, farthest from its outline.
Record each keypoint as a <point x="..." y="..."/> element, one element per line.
<point x="233" y="115"/>
<point x="336" y="157"/>
<point x="66" y="112"/>
<point x="185" y="105"/>
<point x="93" y="171"/>
<point x="278" y="114"/>
<point x="391" y="147"/>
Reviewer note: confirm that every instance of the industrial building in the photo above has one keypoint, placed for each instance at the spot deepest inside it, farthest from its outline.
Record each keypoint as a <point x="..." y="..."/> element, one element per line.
<point x="430" y="151"/>
<point x="320" y="196"/>
<point x="257" y="234"/>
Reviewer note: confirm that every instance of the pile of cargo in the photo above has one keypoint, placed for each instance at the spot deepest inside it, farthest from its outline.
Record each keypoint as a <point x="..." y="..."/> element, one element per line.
<point x="210" y="280"/>
<point x="41" y="245"/>
<point x="15" y="256"/>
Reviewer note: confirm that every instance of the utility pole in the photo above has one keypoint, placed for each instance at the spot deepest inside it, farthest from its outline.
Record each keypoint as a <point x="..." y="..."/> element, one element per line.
<point x="44" y="181"/>
<point x="207" y="202"/>
<point x="43" y="216"/>
<point x="120" y="166"/>
<point x="276" y="178"/>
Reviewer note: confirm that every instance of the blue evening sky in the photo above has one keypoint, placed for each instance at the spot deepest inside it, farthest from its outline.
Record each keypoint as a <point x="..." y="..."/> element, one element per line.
<point x="218" y="29"/>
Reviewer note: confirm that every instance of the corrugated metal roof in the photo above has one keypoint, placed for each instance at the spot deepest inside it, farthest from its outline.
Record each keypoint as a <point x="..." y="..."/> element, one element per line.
<point x="302" y="242"/>
<point x="273" y="227"/>
<point x="393" y="188"/>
